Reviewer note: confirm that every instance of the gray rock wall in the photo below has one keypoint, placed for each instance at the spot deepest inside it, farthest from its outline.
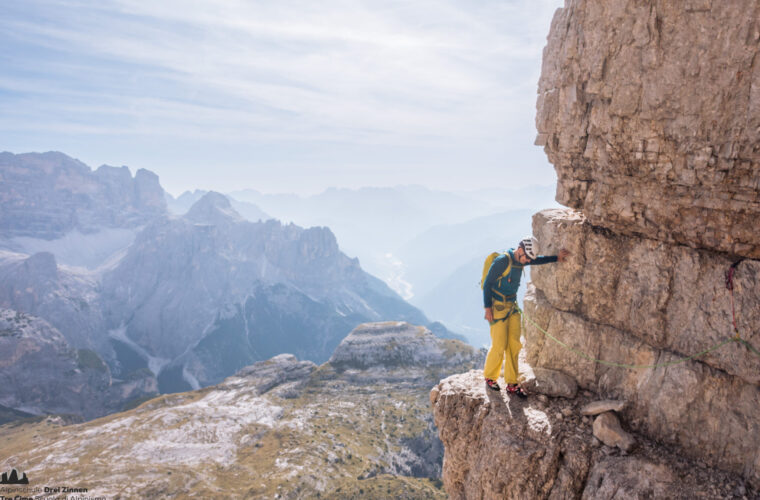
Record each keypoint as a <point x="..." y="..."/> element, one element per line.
<point x="708" y="414"/>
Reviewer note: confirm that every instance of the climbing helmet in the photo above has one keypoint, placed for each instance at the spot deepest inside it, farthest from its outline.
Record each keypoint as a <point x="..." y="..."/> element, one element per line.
<point x="530" y="245"/>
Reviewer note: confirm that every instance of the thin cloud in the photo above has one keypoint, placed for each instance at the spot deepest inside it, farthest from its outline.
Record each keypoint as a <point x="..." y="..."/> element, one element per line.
<point x="342" y="71"/>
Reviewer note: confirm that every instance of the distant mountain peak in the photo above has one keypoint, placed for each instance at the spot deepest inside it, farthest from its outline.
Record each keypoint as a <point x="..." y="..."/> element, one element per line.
<point x="213" y="208"/>
<point x="42" y="265"/>
<point x="47" y="195"/>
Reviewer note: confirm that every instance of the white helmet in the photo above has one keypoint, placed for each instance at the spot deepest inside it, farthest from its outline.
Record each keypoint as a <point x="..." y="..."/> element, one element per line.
<point x="530" y="245"/>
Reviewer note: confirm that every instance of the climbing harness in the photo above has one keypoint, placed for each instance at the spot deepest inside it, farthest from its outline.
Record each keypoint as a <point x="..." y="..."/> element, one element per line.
<point x="625" y="365"/>
<point x="736" y="338"/>
<point x="500" y="306"/>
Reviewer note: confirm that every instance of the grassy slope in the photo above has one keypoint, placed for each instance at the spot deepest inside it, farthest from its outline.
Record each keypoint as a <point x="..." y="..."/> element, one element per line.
<point x="333" y="439"/>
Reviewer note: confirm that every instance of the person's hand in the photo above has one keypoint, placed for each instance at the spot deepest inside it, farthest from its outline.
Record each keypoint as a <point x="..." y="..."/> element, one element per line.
<point x="563" y="255"/>
<point x="489" y="314"/>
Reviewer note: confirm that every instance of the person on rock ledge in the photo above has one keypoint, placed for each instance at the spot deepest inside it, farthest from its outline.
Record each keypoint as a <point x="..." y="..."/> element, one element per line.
<point x="500" y="301"/>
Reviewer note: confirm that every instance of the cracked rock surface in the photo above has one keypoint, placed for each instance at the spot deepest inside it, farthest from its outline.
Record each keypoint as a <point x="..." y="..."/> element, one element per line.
<point x="650" y="114"/>
<point x="497" y="447"/>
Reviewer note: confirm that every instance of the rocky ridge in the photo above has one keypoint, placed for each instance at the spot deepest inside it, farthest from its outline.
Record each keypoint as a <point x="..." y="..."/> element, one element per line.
<point x="193" y="299"/>
<point x="67" y="298"/>
<point x="211" y="292"/>
<point x="281" y="428"/>
<point x="46" y="195"/>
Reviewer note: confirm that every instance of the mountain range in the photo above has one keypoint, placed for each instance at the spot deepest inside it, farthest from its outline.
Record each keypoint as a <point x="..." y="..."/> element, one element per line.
<point x="187" y="300"/>
<point x="427" y="245"/>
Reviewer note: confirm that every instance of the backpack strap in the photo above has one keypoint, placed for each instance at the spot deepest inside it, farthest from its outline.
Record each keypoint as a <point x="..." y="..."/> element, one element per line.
<point x="506" y="271"/>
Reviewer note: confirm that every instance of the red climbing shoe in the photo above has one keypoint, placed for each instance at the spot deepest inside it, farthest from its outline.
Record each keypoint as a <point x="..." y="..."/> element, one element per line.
<point x="517" y="390"/>
<point x="492" y="384"/>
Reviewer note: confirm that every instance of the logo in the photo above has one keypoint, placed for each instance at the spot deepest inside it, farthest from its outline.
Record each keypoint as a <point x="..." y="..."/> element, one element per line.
<point x="12" y="477"/>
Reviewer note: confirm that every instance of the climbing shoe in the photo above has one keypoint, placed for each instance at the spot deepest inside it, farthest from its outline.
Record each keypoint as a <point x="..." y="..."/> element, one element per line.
<point x="516" y="390"/>
<point x="492" y="384"/>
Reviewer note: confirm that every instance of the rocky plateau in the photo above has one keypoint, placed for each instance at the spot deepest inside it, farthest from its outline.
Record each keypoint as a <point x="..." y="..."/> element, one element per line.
<point x="357" y="426"/>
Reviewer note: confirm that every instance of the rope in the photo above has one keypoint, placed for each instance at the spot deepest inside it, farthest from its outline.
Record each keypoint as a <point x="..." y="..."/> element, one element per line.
<point x="632" y="366"/>
<point x="747" y="345"/>
<point x="736" y="338"/>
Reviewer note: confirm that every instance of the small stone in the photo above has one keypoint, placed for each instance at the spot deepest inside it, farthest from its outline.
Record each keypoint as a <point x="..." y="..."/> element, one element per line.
<point x="598" y="407"/>
<point x="543" y="398"/>
<point x="595" y="442"/>
<point x="607" y="429"/>
<point x="567" y="412"/>
<point x="558" y="416"/>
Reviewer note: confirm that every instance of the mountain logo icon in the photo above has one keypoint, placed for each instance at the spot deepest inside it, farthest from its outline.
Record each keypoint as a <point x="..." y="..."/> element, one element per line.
<point x="12" y="478"/>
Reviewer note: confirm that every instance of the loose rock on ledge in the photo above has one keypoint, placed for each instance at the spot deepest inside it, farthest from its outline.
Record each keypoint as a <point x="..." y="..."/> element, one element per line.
<point x="607" y="430"/>
<point x="598" y="407"/>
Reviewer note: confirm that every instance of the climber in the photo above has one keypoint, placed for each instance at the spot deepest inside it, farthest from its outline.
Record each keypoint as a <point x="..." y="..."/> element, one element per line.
<point x="500" y="301"/>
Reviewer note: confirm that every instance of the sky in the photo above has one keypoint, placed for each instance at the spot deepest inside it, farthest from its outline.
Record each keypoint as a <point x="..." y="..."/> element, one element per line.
<point x="281" y="95"/>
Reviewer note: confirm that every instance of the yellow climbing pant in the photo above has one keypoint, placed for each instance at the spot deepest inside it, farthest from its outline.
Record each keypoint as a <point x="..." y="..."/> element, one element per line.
<point x="505" y="343"/>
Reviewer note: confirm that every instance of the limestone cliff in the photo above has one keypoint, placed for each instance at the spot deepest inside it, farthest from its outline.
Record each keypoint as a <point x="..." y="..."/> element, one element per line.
<point x="650" y="113"/>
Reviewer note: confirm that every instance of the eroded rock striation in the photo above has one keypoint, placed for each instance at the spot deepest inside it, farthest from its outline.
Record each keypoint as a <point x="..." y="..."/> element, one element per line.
<point x="650" y="113"/>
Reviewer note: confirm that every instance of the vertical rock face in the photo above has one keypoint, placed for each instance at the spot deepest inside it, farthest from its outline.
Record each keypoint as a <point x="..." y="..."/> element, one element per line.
<point x="634" y="301"/>
<point x="650" y="113"/>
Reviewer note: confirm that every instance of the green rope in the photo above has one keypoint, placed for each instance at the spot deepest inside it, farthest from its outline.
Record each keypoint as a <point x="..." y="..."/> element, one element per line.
<point x="624" y="365"/>
<point x="747" y="345"/>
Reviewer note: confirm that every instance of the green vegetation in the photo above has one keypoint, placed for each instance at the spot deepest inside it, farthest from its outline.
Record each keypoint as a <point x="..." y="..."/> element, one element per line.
<point x="138" y="374"/>
<point x="134" y="403"/>
<point x="11" y="415"/>
<point x="89" y="360"/>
